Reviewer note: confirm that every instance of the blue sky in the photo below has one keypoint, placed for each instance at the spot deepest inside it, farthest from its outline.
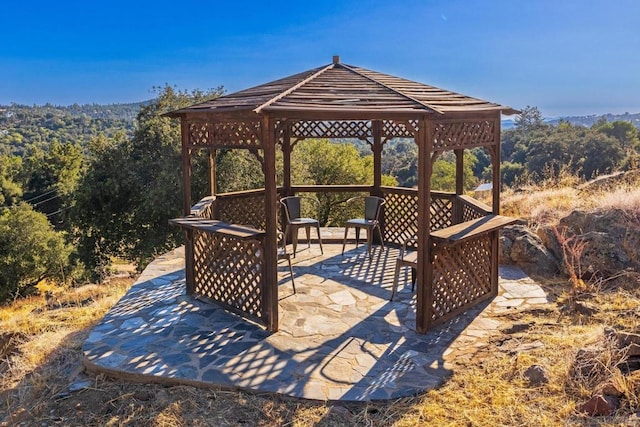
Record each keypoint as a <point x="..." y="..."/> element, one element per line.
<point x="564" y="56"/>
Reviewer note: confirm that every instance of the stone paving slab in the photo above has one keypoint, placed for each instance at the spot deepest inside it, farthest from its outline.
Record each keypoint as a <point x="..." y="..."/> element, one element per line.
<point x="340" y="338"/>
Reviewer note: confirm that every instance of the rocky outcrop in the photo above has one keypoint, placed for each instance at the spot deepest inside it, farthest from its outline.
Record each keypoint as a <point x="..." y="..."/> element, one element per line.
<point x="519" y="245"/>
<point x="610" y="240"/>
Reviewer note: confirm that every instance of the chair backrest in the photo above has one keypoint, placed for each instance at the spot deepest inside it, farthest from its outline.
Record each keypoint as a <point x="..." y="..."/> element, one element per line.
<point x="372" y="207"/>
<point x="291" y="207"/>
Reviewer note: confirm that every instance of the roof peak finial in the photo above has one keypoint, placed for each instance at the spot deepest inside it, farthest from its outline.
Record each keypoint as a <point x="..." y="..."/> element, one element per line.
<point x="336" y="59"/>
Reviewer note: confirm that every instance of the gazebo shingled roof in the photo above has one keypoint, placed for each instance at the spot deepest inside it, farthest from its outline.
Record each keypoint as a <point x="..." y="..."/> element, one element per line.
<point x="457" y="249"/>
<point x="343" y="89"/>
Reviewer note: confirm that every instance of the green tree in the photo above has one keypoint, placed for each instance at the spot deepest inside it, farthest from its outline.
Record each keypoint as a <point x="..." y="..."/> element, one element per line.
<point x="511" y="173"/>
<point x="625" y="132"/>
<point x="443" y="177"/>
<point x="598" y="154"/>
<point x="132" y="186"/>
<point x="10" y="190"/>
<point x="238" y="170"/>
<point x="30" y="251"/>
<point x="529" y="119"/>
<point x="400" y="159"/>
<point x="320" y="162"/>
<point x="50" y="177"/>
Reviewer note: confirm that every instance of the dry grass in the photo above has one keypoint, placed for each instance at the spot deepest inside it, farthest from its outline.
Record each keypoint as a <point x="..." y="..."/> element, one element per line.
<point x="41" y="343"/>
<point x="546" y="205"/>
<point x="490" y="391"/>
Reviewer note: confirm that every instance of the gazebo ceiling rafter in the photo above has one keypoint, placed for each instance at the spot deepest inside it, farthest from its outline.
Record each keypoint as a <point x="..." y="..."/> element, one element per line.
<point x="346" y="92"/>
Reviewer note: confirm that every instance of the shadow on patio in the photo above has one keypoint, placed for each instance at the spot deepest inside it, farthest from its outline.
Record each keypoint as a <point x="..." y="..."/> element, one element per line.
<point x="340" y="337"/>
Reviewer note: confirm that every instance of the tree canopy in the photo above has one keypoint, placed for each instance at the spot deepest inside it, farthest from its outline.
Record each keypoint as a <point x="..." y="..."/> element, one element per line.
<point x="30" y="251"/>
<point x="108" y="177"/>
<point x="132" y="186"/>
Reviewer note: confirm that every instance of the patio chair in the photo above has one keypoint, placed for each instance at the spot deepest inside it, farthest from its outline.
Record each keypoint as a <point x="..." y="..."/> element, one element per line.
<point x="283" y="254"/>
<point x="295" y="221"/>
<point x="405" y="259"/>
<point x="370" y="222"/>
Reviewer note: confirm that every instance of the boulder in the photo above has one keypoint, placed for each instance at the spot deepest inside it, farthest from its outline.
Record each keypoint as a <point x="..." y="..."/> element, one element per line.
<point x="610" y="237"/>
<point x="527" y="251"/>
<point x="547" y="236"/>
<point x="505" y="250"/>
<point x="600" y="405"/>
<point x="537" y="375"/>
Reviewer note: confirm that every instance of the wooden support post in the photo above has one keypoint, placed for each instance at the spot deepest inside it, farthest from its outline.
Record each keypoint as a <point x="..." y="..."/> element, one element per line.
<point x="495" y="236"/>
<point x="189" y="258"/>
<point x="424" y="303"/>
<point x="376" y="147"/>
<point x="270" y="279"/>
<point x="459" y="171"/>
<point x="212" y="172"/>
<point x="186" y="168"/>
<point x="189" y="261"/>
<point x="286" y="161"/>
<point x="286" y="177"/>
<point x="457" y="205"/>
<point x="376" y="128"/>
<point x="495" y="164"/>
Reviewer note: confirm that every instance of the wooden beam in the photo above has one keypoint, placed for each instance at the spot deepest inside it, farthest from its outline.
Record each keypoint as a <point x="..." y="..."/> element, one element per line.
<point x="457" y="205"/>
<point x="459" y="171"/>
<point x="212" y="173"/>
<point x="495" y="163"/>
<point x="189" y="260"/>
<point x="495" y="236"/>
<point x="424" y="304"/>
<point x="186" y="168"/>
<point x="376" y="126"/>
<point x="270" y="280"/>
<point x="286" y="160"/>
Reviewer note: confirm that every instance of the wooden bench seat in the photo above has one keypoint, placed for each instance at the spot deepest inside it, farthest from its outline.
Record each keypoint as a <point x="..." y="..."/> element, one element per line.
<point x="468" y="229"/>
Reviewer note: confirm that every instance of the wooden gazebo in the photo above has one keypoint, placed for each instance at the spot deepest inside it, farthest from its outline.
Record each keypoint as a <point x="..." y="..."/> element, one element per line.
<point x="236" y="265"/>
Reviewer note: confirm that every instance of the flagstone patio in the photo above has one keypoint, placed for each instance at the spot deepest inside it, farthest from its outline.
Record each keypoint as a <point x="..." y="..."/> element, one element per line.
<point x="340" y="338"/>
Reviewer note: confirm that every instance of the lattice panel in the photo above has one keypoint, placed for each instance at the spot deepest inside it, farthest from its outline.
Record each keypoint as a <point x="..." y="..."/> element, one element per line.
<point x="242" y="210"/>
<point x="225" y="134"/>
<point x="229" y="271"/>
<point x="470" y="212"/>
<point x="400" y="217"/>
<point x="452" y="135"/>
<point x="391" y="129"/>
<point x="441" y="213"/>
<point x="204" y="208"/>
<point x="461" y="276"/>
<point x="331" y="129"/>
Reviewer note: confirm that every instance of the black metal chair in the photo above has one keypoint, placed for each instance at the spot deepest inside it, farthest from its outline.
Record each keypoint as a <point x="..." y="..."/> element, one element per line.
<point x="283" y="254"/>
<point x="293" y="217"/>
<point x="370" y="222"/>
<point x="405" y="259"/>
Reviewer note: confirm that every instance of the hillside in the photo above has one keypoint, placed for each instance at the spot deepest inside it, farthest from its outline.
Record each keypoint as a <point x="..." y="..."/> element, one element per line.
<point x="21" y="125"/>
<point x="43" y="383"/>
<point x="587" y="121"/>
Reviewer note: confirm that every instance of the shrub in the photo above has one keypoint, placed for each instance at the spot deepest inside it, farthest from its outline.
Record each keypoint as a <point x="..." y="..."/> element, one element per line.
<point x="30" y="251"/>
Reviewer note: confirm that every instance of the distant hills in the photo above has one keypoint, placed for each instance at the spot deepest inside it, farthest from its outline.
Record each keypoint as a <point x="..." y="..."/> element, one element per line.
<point x="587" y="121"/>
<point x="128" y="112"/>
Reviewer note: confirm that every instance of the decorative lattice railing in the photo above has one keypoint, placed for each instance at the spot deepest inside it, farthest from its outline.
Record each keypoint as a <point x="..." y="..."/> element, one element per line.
<point x="229" y="271"/>
<point x="241" y="207"/>
<point x="472" y="209"/>
<point x="461" y="276"/>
